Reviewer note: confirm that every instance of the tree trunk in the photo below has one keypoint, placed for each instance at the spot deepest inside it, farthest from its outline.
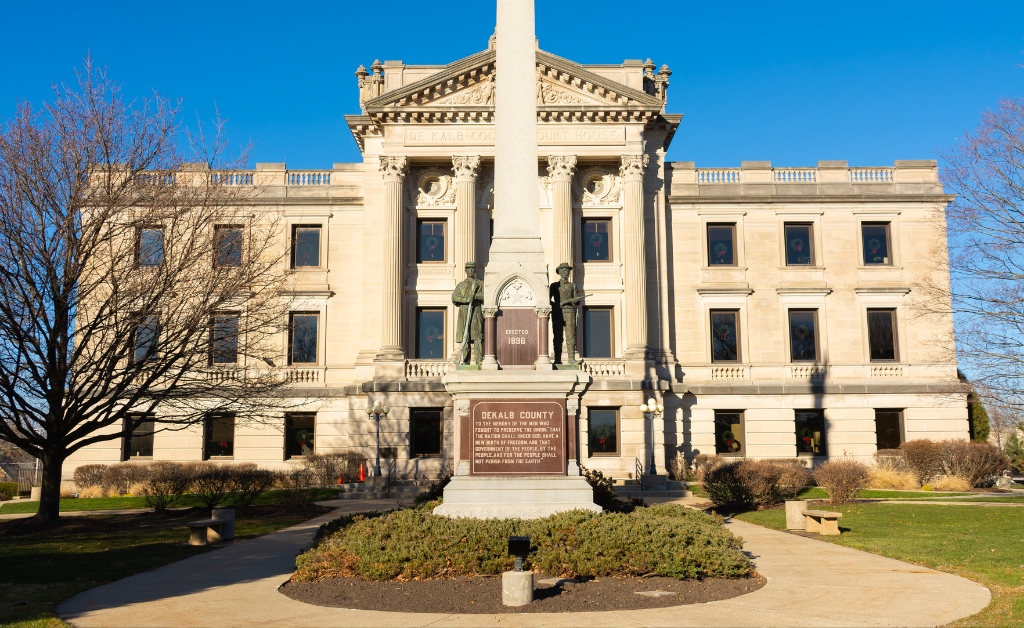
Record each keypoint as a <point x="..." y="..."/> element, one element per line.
<point x="49" y="500"/>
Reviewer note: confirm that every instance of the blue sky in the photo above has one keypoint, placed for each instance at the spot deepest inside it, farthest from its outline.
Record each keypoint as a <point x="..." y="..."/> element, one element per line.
<point x="793" y="82"/>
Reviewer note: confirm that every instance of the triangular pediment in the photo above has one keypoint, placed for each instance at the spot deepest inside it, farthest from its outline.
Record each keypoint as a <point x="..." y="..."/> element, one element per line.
<point x="471" y="83"/>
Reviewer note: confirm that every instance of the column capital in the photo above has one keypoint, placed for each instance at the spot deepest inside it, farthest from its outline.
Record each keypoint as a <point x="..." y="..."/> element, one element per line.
<point x="543" y="312"/>
<point x="394" y="168"/>
<point x="633" y="167"/>
<point x="489" y="312"/>
<point x="561" y="167"/>
<point x="466" y="168"/>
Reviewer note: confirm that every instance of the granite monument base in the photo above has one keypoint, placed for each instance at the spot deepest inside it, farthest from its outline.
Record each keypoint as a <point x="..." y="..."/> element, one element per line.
<point x="484" y="497"/>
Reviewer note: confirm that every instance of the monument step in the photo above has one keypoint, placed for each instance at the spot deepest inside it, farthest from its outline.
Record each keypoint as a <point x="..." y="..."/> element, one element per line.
<point x="626" y="493"/>
<point x="396" y="491"/>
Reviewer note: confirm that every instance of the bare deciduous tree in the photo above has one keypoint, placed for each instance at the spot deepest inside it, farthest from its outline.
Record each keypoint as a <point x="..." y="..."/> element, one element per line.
<point x="986" y="253"/>
<point x="133" y="279"/>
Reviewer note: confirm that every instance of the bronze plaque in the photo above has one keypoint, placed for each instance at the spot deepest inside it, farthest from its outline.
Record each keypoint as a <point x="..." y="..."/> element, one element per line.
<point x="518" y="437"/>
<point x="516" y="342"/>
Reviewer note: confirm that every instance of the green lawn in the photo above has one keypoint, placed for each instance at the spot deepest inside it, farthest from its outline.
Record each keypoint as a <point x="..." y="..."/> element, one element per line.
<point x="124" y="503"/>
<point x="45" y="564"/>
<point x="983" y="544"/>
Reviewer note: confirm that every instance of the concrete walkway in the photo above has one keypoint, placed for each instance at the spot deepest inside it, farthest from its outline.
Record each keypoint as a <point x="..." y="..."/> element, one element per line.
<point x="810" y="583"/>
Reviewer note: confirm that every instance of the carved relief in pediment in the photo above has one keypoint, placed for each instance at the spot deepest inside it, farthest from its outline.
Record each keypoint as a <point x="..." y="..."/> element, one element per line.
<point x="430" y="187"/>
<point x="481" y="93"/>
<point x="597" y="186"/>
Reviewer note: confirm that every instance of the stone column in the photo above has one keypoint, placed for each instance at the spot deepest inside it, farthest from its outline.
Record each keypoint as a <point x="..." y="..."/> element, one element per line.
<point x="560" y="171"/>
<point x="572" y="408"/>
<point x="635" y="265"/>
<point x="393" y="169"/>
<point x="466" y="170"/>
<point x="490" y="362"/>
<point x="543" y="342"/>
<point x="463" y="436"/>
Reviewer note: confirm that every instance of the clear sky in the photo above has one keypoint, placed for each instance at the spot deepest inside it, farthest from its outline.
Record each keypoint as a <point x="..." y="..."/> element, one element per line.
<point x="793" y="82"/>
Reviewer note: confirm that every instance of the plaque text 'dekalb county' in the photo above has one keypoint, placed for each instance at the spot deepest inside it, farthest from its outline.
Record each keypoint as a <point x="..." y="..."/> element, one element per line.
<point x="518" y="437"/>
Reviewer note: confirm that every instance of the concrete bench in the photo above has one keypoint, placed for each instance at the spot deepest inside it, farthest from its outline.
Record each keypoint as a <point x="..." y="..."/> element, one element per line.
<point x="220" y="528"/>
<point x="823" y="522"/>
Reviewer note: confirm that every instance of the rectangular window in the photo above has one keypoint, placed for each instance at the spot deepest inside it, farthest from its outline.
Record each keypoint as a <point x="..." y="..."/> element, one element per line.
<point x="729" y="433"/>
<point x="299" y="430"/>
<point x="302" y="339"/>
<point x="888" y="429"/>
<point x="227" y="242"/>
<point x="150" y="247"/>
<point x="725" y="336"/>
<point x="430" y="246"/>
<point x="140" y="443"/>
<point x="597" y="332"/>
<point x="810" y="432"/>
<point x="875" y="236"/>
<point x="224" y="339"/>
<point x="425" y="432"/>
<point x="306" y="246"/>
<point x="721" y="245"/>
<point x="803" y="335"/>
<point x="799" y="249"/>
<point x="604" y="431"/>
<point x="882" y="335"/>
<point x="597" y="243"/>
<point x="146" y="341"/>
<point x="430" y="328"/>
<point x="220" y="436"/>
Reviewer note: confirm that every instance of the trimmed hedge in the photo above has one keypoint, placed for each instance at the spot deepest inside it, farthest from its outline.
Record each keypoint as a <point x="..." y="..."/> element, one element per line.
<point x="8" y="490"/>
<point x="413" y="544"/>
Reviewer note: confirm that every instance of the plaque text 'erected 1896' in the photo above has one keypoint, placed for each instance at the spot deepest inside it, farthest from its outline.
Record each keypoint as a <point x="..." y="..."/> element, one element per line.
<point x="518" y="437"/>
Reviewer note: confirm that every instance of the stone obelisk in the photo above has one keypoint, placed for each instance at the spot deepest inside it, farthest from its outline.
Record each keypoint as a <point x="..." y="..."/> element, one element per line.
<point x="516" y="245"/>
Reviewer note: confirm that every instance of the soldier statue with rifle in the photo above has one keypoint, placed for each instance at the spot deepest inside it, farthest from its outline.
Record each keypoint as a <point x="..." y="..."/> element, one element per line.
<point x="469" y="296"/>
<point x="568" y="299"/>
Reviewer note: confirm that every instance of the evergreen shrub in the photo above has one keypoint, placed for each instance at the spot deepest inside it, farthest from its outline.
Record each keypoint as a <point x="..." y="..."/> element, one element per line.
<point x="413" y="544"/>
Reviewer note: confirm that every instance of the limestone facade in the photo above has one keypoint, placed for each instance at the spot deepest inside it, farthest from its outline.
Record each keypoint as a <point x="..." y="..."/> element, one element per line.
<point x="426" y="134"/>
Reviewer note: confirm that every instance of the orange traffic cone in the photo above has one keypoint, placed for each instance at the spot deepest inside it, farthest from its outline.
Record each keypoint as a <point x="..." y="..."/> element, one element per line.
<point x="362" y="472"/>
<point x="341" y="480"/>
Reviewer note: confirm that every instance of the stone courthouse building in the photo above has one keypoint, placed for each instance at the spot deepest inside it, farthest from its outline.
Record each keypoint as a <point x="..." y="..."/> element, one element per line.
<point x="768" y="309"/>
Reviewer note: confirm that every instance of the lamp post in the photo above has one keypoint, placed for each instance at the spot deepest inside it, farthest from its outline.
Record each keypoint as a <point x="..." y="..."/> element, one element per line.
<point x="652" y="410"/>
<point x="377" y="411"/>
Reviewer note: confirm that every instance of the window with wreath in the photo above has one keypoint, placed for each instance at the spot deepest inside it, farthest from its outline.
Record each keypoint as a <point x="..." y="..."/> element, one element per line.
<point x="299" y="434"/>
<point x="721" y="245"/>
<point x="219" y="436"/>
<point x="729" y="433"/>
<point x="597" y="246"/>
<point x="803" y="335"/>
<point x="603" y="428"/>
<point x="430" y="333"/>
<point x="725" y="336"/>
<point x="875" y="236"/>
<point x="799" y="250"/>
<point x="430" y="246"/>
<point x="810" y="432"/>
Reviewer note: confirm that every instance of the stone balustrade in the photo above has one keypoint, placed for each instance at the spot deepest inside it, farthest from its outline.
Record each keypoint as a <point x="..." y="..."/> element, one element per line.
<point x="903" y="176"/>
<point x="728" y="372"/>
<point x="426" y="369"/>
<point x="231" y="178"/>
<point x="807" y="372"/>
<point x="888" y="370"/>
<point x="304" y="376"/>
<point x="603" y="368"/>
<point x="303" y="177"/>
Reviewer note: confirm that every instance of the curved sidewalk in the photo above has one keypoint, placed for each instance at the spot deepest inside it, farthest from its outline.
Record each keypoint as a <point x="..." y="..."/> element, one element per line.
<point x="810" y="583"/>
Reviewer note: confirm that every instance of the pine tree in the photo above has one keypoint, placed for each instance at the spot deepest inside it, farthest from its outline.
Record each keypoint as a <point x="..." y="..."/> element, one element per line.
<point x="979" y="420"/>
<point x="1015" y="450"/>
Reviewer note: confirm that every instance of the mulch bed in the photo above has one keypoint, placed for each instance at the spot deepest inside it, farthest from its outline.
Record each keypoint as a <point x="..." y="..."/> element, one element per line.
<point x="482" y="594"/>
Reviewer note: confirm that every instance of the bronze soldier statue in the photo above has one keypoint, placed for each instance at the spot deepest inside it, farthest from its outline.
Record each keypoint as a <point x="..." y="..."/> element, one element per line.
<point x="469" y="296"/>
<point x="568" y="299"/>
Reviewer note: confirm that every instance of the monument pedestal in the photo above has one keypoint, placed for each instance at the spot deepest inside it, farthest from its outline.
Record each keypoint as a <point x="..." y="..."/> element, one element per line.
<point x="517" y="445"/>
<point x="515" y="497"/>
